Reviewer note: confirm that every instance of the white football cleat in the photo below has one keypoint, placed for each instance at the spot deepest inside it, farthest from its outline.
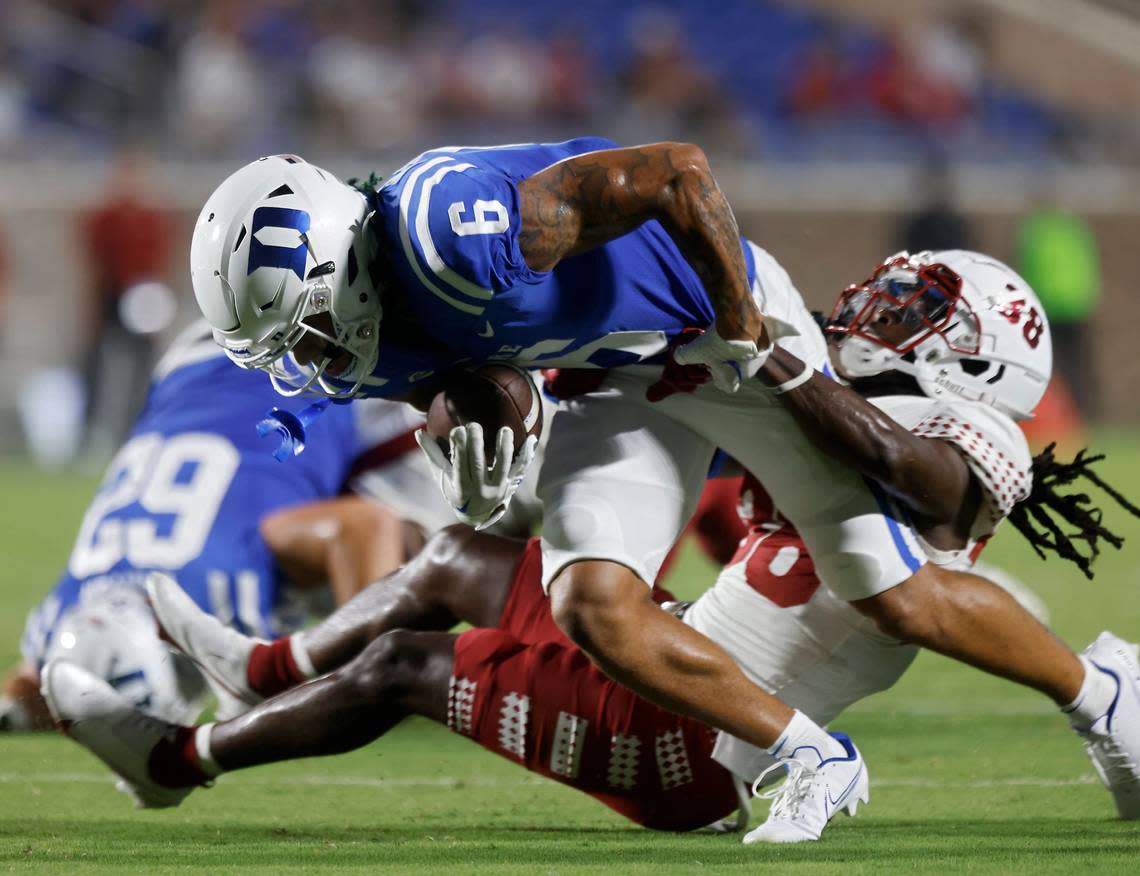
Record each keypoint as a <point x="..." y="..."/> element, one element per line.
<point x="810" y="796"/>
<point x="220" y="652"/>
<point x="106" y="723"/>
<point x="1113" y="740"/>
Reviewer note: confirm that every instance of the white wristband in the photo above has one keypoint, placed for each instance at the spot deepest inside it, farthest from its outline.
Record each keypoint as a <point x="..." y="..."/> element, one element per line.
<point x="799" y="380"/>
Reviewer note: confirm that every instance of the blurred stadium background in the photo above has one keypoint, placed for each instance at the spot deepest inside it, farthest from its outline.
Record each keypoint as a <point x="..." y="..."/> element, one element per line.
<point x="840" y="131"/>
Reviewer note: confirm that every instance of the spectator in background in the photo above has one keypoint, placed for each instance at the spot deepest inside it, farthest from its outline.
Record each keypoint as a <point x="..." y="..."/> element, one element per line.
<point x="1057" y="256"/>
<point x="220" y="96"/>
<point x="13" y="98"/>
<point x="825" y="82"/>
<point x="930" y="74"/>
<point x="127" y="241"/>
<point x="667" y="89"/>
<point x="936" y="223"/>
<point x="360" y="78"/>
<point x="571" y="87"/>
<point x="3" y="292"/>
<point x="501" y="75"/>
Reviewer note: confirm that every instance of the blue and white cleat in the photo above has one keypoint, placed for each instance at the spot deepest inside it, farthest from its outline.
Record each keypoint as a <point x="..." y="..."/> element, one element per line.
<point x="1113" y="740"/>
<point x="811" y="795"/>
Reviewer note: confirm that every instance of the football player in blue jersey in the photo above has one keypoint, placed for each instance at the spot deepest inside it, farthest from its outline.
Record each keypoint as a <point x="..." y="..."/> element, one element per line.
<point x="580" y="254"/>
<point x="195" y="493"/>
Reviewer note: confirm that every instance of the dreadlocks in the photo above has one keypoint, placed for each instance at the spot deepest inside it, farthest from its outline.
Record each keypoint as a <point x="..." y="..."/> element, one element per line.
<point x="1032" y="517"/>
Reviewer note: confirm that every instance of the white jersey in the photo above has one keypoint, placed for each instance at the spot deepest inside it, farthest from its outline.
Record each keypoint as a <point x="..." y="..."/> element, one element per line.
<point x="623" y="475"/>
<point x="992" y="445"/>
<point x="798" y="640"/>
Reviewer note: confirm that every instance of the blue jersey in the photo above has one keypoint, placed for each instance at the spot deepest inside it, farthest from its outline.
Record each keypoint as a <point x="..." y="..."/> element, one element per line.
<point x="448" y="223"/>
<point x="185" y="493"/>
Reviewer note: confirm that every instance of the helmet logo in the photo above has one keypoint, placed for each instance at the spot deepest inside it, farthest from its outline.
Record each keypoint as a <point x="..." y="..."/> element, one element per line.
<point x="1034" y="325"/>
<point x="268" y="254"/>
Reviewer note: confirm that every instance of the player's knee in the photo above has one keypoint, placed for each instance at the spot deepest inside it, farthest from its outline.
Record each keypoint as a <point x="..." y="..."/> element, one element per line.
<point x="435" y="564"/>
<point x="389" y="667"/>
<point x="594" y="603"/>
<point x="908" y="612"/>
<point x="442" y="548"/>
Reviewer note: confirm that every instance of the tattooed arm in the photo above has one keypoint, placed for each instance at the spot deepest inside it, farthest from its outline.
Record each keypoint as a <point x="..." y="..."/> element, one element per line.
<point x="585" y="201"/>
<point x="927" y="474"/>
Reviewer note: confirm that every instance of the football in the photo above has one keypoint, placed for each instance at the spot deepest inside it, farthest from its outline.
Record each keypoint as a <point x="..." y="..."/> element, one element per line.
<point x="493" y="396"/>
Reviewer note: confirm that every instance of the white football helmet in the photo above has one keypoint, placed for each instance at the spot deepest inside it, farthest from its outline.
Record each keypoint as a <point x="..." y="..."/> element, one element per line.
<point x="115" y="637"/>
<point x="957" y="321"/>
<point x="279" y="242"/>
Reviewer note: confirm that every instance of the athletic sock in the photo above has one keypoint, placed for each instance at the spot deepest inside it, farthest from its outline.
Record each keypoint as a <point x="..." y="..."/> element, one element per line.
<point x="278" y="666"/>
<point x="805" y="741"/>
<point x="1095" y="697"/>
<point x="183" y="760"/>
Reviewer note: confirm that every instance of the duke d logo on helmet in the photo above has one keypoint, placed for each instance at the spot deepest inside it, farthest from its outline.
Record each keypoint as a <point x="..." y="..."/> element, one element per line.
<point x="266" y="253"/>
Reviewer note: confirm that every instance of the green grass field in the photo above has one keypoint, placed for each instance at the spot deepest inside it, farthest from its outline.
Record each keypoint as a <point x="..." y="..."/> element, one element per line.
<point x="968" y="773"/>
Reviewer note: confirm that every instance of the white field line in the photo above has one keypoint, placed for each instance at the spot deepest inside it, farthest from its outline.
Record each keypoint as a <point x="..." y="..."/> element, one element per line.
<point x="451" y="782"/>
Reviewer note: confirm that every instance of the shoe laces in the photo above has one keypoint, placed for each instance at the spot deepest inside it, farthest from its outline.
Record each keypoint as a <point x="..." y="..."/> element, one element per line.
<point x="789" y="795"/>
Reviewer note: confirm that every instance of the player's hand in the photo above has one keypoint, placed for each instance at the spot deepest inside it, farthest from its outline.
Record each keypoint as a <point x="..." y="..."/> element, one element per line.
<point x="729" y="361"/>
<point x="478" y="493"/>
<point x="676" y="377"/>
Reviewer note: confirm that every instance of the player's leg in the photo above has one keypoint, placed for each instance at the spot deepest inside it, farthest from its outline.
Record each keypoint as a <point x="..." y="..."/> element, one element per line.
<point x="397" y="674"/>
<point x="618" y="482"/>
<point x="160" y="763"/>
<point x="867" y="554"/>
<point x="460" y="575"/>
<point x="608" y="612"/>
<point x="975" y="621"/>
<point x="793" y="637"/>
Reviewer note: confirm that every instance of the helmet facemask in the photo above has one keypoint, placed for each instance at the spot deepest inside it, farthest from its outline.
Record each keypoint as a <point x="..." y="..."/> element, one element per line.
<point x="355" y="335"/>
<point x="905" y="311"/>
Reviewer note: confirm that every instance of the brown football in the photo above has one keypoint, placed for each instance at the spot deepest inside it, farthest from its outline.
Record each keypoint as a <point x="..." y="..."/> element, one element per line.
<point x="493" y="396"/>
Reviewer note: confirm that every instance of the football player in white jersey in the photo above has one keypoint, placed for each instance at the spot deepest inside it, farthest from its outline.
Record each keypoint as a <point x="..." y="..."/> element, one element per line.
<point x="951" y="347"/>
<point x="766" y="609"/>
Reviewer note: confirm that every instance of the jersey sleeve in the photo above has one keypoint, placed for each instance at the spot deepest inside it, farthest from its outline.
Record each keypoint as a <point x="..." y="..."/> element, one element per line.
<point x="459" y="227"/>
<point x="995" y="450"/>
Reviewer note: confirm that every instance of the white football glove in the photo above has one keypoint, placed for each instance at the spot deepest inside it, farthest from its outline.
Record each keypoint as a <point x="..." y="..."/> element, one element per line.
<point x="479" y="495"/>
<point x="729" y="362"/>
